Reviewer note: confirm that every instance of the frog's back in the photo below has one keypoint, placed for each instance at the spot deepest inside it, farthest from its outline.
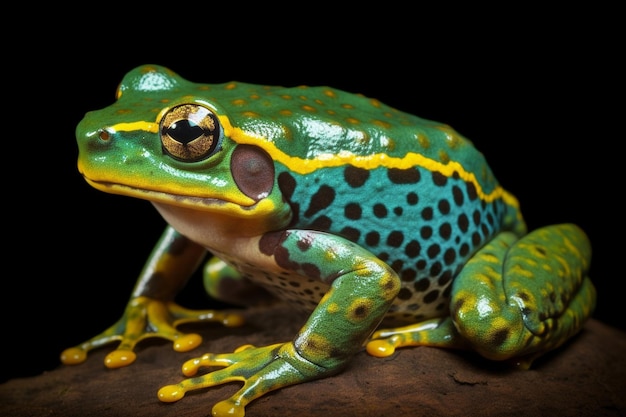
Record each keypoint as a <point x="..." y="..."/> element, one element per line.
<point x="414" y="192"/>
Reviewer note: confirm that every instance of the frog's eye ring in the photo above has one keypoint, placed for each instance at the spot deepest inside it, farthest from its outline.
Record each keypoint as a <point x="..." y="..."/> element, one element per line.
<point x="190" y="132"/>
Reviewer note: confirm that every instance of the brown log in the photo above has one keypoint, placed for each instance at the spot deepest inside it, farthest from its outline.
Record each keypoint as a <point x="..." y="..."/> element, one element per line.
<point x="586" y="377"/>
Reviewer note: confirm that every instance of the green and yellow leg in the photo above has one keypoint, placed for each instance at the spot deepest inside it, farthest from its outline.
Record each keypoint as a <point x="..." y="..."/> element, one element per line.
<point x="150" y="311"/>
<point x="515" y="299"/>
<point x="362" y="289"/>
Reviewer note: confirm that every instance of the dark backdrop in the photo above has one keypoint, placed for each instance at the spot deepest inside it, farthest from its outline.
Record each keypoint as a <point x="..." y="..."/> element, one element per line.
<point x="539" y="107"/>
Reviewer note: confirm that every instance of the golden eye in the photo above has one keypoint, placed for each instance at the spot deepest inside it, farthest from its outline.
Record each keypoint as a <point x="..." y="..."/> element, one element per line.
<point x="190" y="132"/>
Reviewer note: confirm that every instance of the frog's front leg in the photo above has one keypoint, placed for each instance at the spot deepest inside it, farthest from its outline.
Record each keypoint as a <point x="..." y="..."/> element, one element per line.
<point x="150" y="311"/>
<point x="362" y="290"/>
<point x="514" y="300"/>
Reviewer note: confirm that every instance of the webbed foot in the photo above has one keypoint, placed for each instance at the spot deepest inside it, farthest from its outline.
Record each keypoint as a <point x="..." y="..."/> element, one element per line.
<point x="261" y="369"/>
<point x="145" y="317"/>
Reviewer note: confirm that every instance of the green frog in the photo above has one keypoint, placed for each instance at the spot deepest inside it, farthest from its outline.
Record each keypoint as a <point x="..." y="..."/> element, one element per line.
<point x="390" y="230"/>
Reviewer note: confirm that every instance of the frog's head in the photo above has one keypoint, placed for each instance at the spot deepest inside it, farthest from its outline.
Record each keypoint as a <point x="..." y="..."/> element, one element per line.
<point x="163" y="141"/>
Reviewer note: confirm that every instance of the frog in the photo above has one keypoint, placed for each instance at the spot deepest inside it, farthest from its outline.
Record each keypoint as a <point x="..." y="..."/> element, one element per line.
<point x="386" y="229"/>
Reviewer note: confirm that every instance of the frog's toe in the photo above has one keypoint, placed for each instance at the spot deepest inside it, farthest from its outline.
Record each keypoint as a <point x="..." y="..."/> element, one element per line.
<point x="119" y="358"/>
<point x="435" y="332"/>
<point x="228" y="408"/>
<point x="381" y="348"/>
<point x="73" y="356"/>
<point x="261" y="369"/>
<point x="187" y="342"/>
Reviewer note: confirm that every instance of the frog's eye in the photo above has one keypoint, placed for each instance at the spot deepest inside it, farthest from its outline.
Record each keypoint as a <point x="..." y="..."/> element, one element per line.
<point x="190" y="132"/>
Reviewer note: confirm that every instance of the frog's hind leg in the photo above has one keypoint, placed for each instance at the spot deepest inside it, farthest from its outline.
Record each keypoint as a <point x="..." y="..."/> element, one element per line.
<point x="513" y="299"/>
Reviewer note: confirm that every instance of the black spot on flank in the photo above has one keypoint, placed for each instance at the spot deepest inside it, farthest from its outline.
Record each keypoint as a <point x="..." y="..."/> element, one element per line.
<point x="445" y="231"/>
<point x="471" y="191"/>
<point x="411" y="199"/>
<point x="372" y="238"/>
<point x="403" y="176"/>
<point x="464" y="250"/>
<point x="490" y="219"/>
<point x="323" y="198"/>
<point x="412" y="249"/>
<point x="353" y="211"/>
<point x="322" y="223"/>
<point x="435" y="269"/>
<point x="431" y="296"/>
<point x="444" y="278"/>
<point x="350" y="233"/>
<point x="395" y="239"/>
<point x="476" y="239"/>
<point x="405" y="294"/>
<point x="433" y="250"/>
<point x="463" y="222"/>
<point x="397" y="266"/>
<point x="355" y="177"/>
<point x="286" y="184"/>
<point x="439" y="179"/>
<point x="458" y="195"/>
<point x="444" y="206"/>
<point x="398" y="211"/>
<point x="426" y="232"/>
<point x="408" y="275"/>
<point x="476" y="217"/>
<point x="422" y="285"/>
<point x="449" y="256"/>
<point x="380" y="211"/>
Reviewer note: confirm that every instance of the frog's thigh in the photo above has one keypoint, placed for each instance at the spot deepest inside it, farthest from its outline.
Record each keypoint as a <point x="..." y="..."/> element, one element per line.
<point x="225" y="283"/>
<point x="520" y="298"/>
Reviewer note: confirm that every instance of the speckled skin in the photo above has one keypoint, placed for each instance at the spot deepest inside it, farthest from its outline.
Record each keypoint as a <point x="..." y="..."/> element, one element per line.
<point x="340" y="204"/>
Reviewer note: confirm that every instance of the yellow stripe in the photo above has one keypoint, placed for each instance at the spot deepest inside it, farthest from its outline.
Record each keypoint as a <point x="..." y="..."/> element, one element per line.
<point x="127" y="127"/>
<point x="369" y="162"/>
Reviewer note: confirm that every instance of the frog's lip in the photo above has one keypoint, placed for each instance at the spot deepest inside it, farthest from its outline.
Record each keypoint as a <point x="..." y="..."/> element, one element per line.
<point x="159" y="196"/>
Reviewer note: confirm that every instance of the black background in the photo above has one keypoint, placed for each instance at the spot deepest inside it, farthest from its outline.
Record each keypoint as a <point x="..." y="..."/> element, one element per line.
<point x="534" y="92"/>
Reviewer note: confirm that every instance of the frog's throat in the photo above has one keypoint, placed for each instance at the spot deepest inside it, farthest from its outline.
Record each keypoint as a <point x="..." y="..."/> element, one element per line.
<point x="210" y="204"/>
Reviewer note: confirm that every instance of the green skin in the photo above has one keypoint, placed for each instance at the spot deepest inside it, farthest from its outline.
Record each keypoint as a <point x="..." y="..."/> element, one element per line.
<point x="337" y="203"/>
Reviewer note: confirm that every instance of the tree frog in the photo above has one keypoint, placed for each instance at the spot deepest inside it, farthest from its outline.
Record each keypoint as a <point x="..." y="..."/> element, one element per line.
<point x="389" y="229"/>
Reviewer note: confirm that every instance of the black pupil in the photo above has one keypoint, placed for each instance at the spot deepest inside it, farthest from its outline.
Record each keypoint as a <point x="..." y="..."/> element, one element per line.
<point x="184" y="131"/>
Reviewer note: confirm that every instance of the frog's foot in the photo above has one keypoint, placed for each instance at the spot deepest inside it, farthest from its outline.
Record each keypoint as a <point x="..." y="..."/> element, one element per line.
<point x="435" y="332"/>
<point x="145" y="317"/>
<point x="262" y="369"/>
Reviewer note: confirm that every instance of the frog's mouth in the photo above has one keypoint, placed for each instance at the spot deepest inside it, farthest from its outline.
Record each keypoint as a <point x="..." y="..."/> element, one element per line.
<point x="210" y="204"/>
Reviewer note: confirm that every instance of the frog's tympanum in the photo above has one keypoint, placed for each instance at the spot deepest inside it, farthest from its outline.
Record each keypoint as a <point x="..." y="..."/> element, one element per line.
<point x="389" y="229"/>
